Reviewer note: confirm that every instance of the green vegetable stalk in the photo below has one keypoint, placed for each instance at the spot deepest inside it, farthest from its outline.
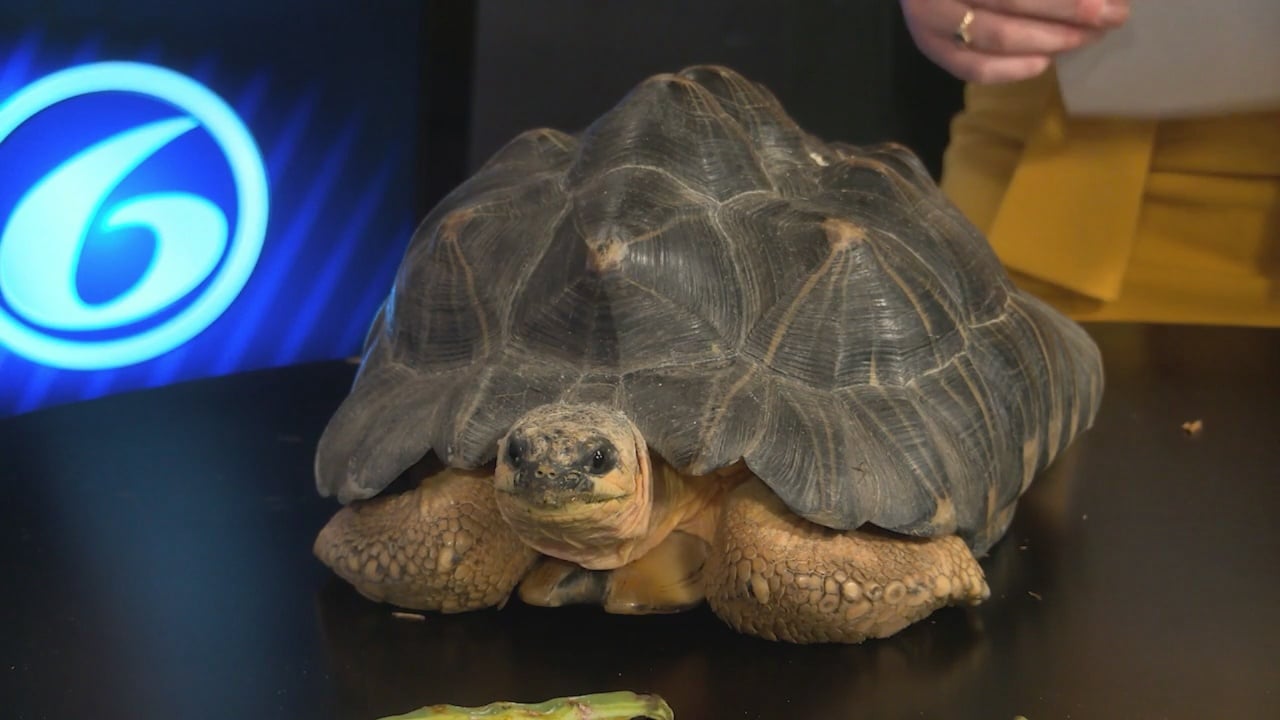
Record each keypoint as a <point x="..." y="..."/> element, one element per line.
<point x="601" y="706"/>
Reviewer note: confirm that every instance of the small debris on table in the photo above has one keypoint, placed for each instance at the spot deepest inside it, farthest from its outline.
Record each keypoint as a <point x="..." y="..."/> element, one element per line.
<point x="1035" y="595"/>
<point x="1192" y="428"/>
<point x="416" y="617"/>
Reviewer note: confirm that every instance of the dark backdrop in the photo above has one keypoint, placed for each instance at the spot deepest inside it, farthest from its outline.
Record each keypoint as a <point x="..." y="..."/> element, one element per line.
<point x="845" y="69"/>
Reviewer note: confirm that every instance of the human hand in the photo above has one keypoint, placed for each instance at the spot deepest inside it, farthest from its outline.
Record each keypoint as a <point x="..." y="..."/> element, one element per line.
<point x="1007" y="40"/>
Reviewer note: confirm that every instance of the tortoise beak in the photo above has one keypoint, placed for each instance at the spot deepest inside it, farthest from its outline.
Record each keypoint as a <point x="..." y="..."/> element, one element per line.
<point x="548" y="487"/>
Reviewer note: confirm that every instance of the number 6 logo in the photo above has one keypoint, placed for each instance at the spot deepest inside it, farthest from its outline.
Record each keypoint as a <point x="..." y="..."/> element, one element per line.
<point x="42" y="242"/>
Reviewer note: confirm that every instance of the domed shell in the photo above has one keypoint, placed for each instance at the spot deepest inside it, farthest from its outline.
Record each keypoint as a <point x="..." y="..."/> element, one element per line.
<point x="742" y="290"/>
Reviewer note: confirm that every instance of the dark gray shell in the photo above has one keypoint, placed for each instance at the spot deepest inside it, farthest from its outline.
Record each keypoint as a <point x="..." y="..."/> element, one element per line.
<point x="741" y="290"/>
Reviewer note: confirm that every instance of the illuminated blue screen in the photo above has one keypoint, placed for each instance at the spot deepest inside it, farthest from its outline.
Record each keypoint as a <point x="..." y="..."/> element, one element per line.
<point x="194" y="193"/>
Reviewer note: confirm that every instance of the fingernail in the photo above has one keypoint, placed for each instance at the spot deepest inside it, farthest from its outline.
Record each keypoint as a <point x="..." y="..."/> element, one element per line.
<point x="1115" y="12"/>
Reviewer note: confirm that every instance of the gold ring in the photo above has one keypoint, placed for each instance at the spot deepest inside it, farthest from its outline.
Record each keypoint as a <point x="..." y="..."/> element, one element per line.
<point x="961" y="35"/>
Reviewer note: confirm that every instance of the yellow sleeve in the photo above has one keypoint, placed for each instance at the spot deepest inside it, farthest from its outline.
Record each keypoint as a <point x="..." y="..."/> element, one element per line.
<point x="1123" y="219"/>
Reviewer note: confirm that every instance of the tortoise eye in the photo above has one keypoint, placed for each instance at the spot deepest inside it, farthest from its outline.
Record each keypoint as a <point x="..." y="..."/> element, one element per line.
<point x="515" y="451"/>
<point x="602" y="460"/>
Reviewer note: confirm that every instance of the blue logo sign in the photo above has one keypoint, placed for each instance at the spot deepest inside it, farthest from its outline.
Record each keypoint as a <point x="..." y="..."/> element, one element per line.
<point x="199" y="256"/>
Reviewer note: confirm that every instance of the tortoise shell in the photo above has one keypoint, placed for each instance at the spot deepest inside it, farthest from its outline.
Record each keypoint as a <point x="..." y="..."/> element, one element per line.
<point x="743" y="291"/>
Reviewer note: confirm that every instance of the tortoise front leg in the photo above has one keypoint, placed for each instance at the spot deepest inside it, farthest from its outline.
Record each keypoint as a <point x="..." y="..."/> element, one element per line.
<point x="442" y="546"/>
<point x="778" y="576"/>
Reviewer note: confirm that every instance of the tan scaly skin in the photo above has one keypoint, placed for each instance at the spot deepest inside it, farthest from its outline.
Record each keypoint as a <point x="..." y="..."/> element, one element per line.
<point x="579" y="511"/>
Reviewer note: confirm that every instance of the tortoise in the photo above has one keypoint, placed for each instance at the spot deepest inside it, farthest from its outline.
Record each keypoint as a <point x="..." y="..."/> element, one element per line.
<point x="695" y="353"/>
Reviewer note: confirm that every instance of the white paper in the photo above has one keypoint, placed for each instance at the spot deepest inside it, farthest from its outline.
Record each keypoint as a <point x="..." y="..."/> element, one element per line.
<point x="1179" y="58"/>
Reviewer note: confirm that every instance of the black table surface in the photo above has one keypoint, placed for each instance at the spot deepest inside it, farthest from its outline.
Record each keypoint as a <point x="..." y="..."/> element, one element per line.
<point x="156" y="564"/>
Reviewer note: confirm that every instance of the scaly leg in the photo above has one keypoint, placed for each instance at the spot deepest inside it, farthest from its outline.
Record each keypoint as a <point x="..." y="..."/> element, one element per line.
<point x="443" y="546"/>
<point x="778" y="576"/>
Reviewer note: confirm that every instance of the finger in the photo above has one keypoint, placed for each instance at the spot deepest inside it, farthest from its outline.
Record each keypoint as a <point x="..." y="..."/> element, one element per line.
<point x="993" y="69"/>
<point x="981" y="68"/>
<point x="1090" y="13"/>
<point x="996" y="33"/>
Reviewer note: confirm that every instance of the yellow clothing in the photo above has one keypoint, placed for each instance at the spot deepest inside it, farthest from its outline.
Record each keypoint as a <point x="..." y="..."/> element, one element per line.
<point x="1123" y="219"/>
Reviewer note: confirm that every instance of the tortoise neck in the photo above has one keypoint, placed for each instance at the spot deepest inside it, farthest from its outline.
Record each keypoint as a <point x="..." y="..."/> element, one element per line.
<point x="663" y="500"/>
<point x="660" y="504"/>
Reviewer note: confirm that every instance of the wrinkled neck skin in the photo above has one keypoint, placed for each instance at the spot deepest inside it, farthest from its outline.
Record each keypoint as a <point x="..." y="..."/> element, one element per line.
<point x="613" y="533"/>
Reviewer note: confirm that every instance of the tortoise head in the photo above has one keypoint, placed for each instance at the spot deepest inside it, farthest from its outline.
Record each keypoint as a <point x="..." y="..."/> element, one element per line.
<point x="575" y="482"/>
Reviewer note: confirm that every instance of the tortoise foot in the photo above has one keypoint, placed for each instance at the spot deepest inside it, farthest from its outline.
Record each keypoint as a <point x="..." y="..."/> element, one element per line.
<point x="780" y="577"/>
<point x="556" y="583"/>
<point x="667" y="579"/>
<point x="442" y="546"/>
